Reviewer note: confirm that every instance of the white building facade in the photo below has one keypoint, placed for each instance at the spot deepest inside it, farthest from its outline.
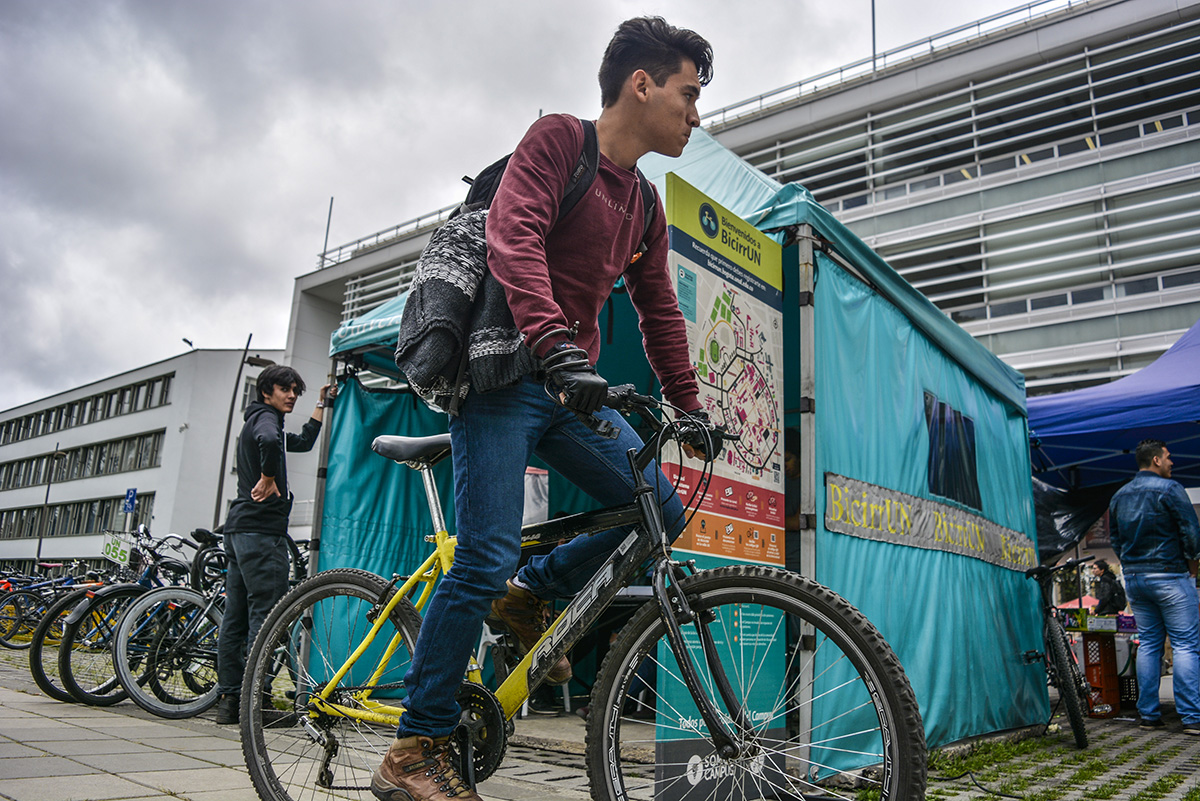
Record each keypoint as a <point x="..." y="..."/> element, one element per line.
<point x="68" y="460"/>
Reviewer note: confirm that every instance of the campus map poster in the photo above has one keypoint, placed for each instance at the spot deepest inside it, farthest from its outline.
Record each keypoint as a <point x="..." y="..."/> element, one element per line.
<point x="729" y="280"/>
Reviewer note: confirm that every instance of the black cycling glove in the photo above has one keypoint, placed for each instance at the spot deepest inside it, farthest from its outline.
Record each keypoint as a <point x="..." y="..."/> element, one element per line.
<point x="573" y="380"/>
<point x="697" y="430"/>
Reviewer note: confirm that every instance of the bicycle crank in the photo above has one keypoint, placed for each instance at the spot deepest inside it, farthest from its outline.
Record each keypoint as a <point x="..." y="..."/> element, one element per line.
<point x="482" y="734"/>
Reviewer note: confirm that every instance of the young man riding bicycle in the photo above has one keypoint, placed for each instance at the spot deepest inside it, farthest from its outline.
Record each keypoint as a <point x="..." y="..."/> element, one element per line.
<point x="556" y="276"/>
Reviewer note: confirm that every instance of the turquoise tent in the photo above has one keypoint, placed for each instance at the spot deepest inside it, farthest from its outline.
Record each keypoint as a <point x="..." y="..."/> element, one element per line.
<point x="874" y="362"/>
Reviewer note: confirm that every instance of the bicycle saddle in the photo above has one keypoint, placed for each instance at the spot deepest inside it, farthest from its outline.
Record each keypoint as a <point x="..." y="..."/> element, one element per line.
<point x="422" y="450"/>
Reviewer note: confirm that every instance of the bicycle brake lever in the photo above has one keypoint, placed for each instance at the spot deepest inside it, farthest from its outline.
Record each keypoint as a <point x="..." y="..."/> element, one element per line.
<point x="603" y="428"/>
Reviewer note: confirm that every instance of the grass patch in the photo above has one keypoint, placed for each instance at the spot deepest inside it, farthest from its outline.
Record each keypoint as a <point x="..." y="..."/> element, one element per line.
<point x="983" y="756"/>
<point x="1159" y="788"/>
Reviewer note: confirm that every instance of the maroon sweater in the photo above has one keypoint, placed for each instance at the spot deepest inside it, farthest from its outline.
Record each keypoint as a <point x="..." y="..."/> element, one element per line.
<point x="557" y="274"/>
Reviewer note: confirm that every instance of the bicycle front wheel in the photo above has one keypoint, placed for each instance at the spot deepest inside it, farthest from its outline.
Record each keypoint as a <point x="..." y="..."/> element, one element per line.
<point x="1072" y="686"/>
<point x="85" y="655"/>
<point x="825" y="706"/>
<point x="294" y="750"/>
<point x="165" y="652"/>
<point x="43" y="648"/>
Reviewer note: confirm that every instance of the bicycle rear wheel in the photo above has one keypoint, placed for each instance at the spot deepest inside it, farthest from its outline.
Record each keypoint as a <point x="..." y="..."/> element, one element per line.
<point x="20" y="613"/>
<point x="44" y="647"/>
<point x="827" y="706"/>
<point x="85" y="656"/>
<point x="208" y="568"/>
<point x="165" y="652"/>
<point x="1072" y="686"/>
<point x="294" y="752"/>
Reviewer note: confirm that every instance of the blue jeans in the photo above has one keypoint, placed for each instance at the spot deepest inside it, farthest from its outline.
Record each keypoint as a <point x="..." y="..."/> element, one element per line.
<point x="493" y="438"/>
<point x="1166" y="604"/>
<point x="256" y="578"/>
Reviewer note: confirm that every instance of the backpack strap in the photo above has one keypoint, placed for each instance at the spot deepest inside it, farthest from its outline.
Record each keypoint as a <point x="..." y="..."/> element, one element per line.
<point x="585" y="174"/>
<point x="585" y="170"/>
<point x="649" y="209"/>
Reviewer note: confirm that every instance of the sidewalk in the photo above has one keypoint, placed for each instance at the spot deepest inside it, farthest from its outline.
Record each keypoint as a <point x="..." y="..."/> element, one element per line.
<point x="51" y="751"/>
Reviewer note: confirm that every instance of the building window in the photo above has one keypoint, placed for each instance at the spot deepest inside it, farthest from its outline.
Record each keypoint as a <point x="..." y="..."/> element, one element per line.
<point x="73" y="519"/>
<point x="952" y="469"/>
<point x="138" y="452"/>
<point x="123" y="400"/>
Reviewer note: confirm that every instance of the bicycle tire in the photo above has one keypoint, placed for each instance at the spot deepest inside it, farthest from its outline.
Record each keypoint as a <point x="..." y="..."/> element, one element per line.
<point x="208" y="568"/>
<point x="85" y="659"/>
<point x="297" y="561"/>
<point x="165" y="652"/>
<point x="854" y="725"/>
<point x="314" y="628"/>
<point x="1068" y="680"/>
<point x="20" y="613"/>
<point x="44" y="647"/>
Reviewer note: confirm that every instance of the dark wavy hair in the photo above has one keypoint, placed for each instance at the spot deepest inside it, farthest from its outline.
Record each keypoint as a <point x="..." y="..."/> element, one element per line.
<point x="651" y="44"/>
<point x="279" y="375"/>
<point x="1147" y="449"/>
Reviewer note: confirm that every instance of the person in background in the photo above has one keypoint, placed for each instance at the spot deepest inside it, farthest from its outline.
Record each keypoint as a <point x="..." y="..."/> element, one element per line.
<point x="1108" y="592"/>
<point x="1156" y="536"/>
<point x="257" y="567"/>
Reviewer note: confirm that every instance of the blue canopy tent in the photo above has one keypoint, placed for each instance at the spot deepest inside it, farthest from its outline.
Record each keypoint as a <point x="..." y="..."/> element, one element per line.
<point x="1086" y="438"/>
<point x="941" y="415"/>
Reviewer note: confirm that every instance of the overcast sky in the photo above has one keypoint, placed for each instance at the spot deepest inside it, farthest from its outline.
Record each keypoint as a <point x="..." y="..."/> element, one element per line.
<point x="166" y="166"/>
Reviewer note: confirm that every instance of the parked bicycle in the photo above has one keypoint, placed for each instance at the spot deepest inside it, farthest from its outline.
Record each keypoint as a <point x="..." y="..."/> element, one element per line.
<point x="765" y="681"/>
<point x="22" y="608"/>
<point x="164" y="652"/>
<point x="84" y="655"/>
<point x="1062" y="669"/>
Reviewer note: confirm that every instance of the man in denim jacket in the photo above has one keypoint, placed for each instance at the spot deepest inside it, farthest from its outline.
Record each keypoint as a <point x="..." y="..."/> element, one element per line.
<point x="1157" y="537"/>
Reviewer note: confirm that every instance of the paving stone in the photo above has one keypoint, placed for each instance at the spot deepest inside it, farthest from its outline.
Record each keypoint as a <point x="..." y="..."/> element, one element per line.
<point x="193" y="743"/>
<point x="54" y="733"/>
<point x="186" y="781"/>
<point x="92" y="745"/>
<point x="40" y="766"/>
<point x="140" y="762"/>
<point x="222" y="795"/>
<point x="228" y="758"/>
<point x="9" y="749"/>
<point x="96" y="787"/>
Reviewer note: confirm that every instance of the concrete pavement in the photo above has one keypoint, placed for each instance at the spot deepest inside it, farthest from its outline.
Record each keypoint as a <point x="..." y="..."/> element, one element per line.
<point x="50" y="751"/>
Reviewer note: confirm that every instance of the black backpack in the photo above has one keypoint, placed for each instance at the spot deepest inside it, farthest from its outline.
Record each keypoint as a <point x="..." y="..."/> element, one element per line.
<point x="436" y="365"/>
<point x="484" y="185"/>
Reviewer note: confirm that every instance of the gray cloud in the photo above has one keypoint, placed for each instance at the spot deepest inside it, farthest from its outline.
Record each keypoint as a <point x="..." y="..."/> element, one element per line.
<point x="166" y="167"/>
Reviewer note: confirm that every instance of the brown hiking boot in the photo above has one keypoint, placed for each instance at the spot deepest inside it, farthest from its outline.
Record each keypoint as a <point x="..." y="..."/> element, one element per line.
<point x="416" y="769"/>
<point x="524" y="615"/>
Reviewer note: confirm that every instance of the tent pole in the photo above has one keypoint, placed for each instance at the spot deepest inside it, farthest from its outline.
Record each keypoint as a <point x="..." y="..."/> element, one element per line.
<point x="314" y="539"/>
<point x="808" y="380"/>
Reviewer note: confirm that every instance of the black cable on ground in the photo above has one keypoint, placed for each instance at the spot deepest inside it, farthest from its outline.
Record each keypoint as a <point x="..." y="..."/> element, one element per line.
<point x="971" y="776"/>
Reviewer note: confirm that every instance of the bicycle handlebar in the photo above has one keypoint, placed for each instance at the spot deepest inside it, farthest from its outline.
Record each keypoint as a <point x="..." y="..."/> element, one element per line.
<point x="625" y="399"/>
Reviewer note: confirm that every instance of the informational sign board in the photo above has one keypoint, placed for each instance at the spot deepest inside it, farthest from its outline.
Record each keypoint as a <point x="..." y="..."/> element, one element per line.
<point x="729" y="280"/>
<point x="130" y="501"/>
<point x="117" y="547"/>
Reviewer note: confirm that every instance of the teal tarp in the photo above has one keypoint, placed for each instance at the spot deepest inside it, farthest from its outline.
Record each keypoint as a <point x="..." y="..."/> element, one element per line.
<point x="958" y="624"/>
<point x="375" y="516"/>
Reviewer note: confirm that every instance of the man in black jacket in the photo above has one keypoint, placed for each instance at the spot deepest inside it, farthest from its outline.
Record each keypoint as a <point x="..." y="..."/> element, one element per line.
<point x="257" y="574"/>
